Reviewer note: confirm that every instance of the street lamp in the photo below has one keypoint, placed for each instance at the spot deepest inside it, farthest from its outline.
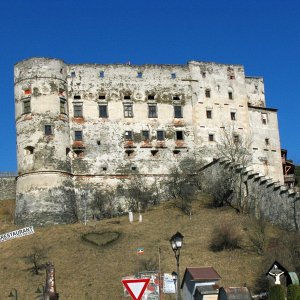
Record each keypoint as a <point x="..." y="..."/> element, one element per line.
<point x="176" y="244"/>
<point x="13" y="293"/>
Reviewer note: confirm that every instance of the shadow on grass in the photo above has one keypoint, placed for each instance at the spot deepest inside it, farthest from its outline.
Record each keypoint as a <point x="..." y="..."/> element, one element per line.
<point x="101" y="239"/>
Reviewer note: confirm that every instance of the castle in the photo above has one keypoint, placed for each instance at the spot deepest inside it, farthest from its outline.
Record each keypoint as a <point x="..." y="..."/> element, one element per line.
<point x="86" y="127"/>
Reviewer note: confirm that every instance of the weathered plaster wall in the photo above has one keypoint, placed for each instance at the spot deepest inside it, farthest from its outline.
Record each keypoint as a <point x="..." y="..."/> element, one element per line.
<point x="266" y="148"/>
<point x="58" y="167"/>
<point x="7" y="187"/>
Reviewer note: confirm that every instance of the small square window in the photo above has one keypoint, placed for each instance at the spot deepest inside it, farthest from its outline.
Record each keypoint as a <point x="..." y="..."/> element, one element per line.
<point x="73" y="74"/>
<point x="211" y="137"/>
<point x="26" y="107"/>
<point x="207" y="93"/>
<point x="127" y="97"/>
<point x="267" y="141"/>
<point x="77" y="97"/>
<point x="176" y="97"/>
<point x="145" y="135"/>
<point x="232" y="116"/>
<point x="203" y="74"/>
<point x="102" y="97"/>
<point x="128" y="135"/>
<point x="101" y="74"/>
<point x="173" y="75"/>
<point x="177" y="111"/>
<point x="128" y="110"/>
<point x="103" y="111"/>
<point x="77" y="110"/>
<point x="139" y="75"/>
<point x="160" y="135"/>
<point x="151" y="97"/>
<point x="152" y="111"/>
<point x="230" y="95"/>
<point x="209" y="114"/>
<point x="264" y="118"/>
<point x="48" y="130"/>
<point x="236" y="138"/>
<point x="179" y="135"/>
<point x="78" y="135"/>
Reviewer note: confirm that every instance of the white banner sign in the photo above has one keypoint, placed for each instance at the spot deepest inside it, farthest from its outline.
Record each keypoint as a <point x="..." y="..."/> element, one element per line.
<point x="16" y="234"/>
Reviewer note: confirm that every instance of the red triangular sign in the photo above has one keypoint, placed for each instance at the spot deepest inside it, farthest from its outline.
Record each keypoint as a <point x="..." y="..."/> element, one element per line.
<point x="136" y="287"/>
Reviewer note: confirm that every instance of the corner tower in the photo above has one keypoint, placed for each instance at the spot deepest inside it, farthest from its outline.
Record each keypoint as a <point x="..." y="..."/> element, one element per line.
<point x="45" y="192"/>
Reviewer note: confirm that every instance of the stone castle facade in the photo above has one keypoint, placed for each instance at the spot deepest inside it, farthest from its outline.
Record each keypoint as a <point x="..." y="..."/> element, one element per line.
<point x="87" y="127"/>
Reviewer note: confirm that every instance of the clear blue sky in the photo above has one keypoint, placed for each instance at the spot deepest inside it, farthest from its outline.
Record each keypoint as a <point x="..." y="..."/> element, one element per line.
<point x="264" y="36"/>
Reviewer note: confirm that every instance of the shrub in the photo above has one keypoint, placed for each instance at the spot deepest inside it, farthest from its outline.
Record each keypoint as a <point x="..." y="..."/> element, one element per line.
<point x="225" y="237"/>
<point x="276" y="292"/>
<point x="293" y="292"/>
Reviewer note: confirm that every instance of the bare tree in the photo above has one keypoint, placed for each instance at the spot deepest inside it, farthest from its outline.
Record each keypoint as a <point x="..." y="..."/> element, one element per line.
<point x="234" y="147"/>
<point x="104" y="204"/>
<point x="226" y="185"/>
<point x="36" y="259"/>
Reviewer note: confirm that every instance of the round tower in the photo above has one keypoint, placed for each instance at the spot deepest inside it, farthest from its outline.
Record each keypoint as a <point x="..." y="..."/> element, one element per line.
<point x="45" y="192"/>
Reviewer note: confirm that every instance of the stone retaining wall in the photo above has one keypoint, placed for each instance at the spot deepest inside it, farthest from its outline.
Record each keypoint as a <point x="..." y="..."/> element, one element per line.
<point x="7" y="187"/>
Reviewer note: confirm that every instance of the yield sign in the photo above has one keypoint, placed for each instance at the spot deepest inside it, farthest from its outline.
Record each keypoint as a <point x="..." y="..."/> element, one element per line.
<point x="136" y="287"/>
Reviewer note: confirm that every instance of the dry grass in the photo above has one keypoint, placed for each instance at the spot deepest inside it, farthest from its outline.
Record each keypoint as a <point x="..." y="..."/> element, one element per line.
<point x="84" y="271"/>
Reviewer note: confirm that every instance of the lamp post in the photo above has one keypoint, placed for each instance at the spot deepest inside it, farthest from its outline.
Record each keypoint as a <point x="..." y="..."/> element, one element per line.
<point x="176" y="244"/>
<point x="13" y="293"/>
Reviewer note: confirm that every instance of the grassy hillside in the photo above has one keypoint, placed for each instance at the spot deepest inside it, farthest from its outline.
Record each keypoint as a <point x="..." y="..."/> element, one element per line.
<point x="84" y="271"/>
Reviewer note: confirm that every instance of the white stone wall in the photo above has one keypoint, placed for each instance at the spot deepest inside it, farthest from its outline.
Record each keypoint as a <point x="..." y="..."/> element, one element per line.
<point x="104" y="156"/>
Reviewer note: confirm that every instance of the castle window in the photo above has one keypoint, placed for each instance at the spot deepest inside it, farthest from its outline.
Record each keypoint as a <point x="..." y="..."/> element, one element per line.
<point x="152" y="111"/>
<point x="207" y="93"/>
<point x="173" y="75"/>
<point x="151" y="97"/>
<point x="145" y="135"/>
<point x="154" y="152"/>
<point x="26" y="106"/>
<point x="211" y="137"/>
<point x="203" y="74"/>
<point x="267" y="141"/>
<point x="101" y="74"/>
<point x="236" y="138"/>
<point x="103" y="111"/>
<point x="139" y="75"/>
<point x="232" y="116"/>
<point x="127" y="97"/>
<point x="29" y="150"/>
<point x="160" y="135"/>
<point x="128" y="135"/>
<point x="63" y="106"/>
<point x="78" y="135"/>
<point x="77" y="97"/>
<point x="128" y="110"/>
<point x="177" y="111"/>
<point x="230" y="95"/>
<point x="102" y="97"/>
<point x="48" y="130"/>
<point x="176" y="97"/>
<point x="73" y="74"/>
<point x="264" y="118"/>
<point x="209" y="114"/>
<point x="77" y="110"/>
<point x="179" y="135"/>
